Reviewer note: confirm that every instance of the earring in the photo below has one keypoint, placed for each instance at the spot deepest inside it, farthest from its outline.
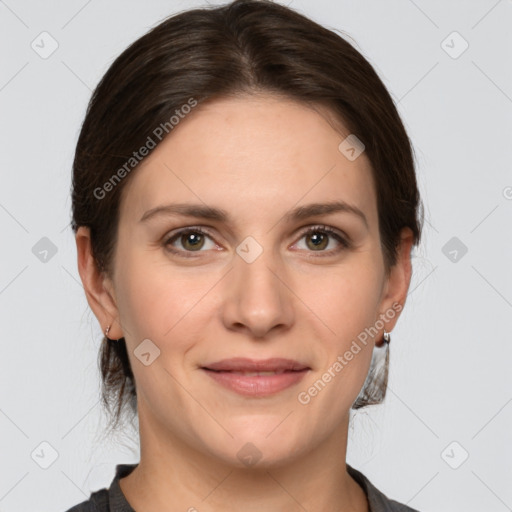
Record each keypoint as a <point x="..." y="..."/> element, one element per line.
<point x="385" y="340"/>
<point x="106" y="332"/>
<point x="376" y="382"/>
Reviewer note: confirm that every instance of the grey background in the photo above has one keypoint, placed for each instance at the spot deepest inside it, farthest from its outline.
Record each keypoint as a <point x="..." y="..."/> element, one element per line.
<point x="450" y="354"/>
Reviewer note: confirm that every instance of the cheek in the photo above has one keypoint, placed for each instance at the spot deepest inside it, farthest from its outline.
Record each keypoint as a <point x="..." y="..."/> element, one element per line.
<point x="348" y="305"/>
<point x="345" y="298"/>
<point x="162" y="304"/>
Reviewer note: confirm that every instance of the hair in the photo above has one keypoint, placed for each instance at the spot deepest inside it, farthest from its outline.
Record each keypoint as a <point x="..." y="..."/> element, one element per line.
<point x="243" y="47"/>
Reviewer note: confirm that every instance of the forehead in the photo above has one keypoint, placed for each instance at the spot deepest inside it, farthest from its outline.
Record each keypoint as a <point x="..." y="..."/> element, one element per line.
<point x="251" y="153"/>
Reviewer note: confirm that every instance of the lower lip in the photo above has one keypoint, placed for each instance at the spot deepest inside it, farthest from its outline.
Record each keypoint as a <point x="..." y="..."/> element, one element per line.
<point x="257" y="385"/>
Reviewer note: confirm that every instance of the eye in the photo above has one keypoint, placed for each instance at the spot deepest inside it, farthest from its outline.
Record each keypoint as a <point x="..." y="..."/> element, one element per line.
<point x="191" y="239"/>
<point x="319" y="237"/>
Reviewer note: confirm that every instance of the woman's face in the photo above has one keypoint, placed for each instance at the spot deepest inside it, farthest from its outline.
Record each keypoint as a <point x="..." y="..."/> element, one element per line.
<point x="253" y="284"/>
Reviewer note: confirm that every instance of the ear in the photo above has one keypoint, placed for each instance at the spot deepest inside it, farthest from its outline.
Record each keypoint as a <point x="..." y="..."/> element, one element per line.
<point x="397" y="283"/>
<point x="98" y="286"/>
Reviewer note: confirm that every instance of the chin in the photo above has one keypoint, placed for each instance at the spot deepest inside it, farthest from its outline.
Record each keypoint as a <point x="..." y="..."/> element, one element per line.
<point x="253" y="450"/>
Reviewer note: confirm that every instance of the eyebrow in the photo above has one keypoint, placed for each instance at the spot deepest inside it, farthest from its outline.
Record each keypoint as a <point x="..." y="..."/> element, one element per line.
<point x="208" y="212"/>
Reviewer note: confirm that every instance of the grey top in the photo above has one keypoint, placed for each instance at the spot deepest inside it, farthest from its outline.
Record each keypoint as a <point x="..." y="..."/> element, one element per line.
<point x="113" y="499"/>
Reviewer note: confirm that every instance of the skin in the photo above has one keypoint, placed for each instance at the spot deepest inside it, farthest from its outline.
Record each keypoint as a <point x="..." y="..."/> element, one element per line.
<point x="257" y="157"/>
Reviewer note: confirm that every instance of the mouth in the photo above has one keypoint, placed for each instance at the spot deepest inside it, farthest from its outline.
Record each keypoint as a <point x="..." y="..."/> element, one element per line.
<point x="243" y="365"/>
<point x="256" y="378"/>
<point x="252" y="374"/>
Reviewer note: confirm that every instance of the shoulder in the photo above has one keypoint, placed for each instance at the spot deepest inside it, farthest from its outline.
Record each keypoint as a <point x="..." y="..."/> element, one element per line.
<point x="378" y="501"/>
<point x="98" y="502"/>
<point x="108" y="499"/>
<point x="395" y="506"/>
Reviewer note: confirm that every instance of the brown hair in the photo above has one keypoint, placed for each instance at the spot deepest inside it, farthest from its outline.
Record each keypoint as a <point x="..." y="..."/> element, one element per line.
<point x="241" y="47"/>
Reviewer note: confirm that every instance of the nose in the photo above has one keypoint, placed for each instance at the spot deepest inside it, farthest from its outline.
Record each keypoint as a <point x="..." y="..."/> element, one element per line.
<point x="257" y="299"/>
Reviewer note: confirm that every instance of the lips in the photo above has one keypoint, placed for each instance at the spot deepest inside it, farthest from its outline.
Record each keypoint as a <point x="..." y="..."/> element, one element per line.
<point x="246" y="366"/>
<point x="256" y="378"/>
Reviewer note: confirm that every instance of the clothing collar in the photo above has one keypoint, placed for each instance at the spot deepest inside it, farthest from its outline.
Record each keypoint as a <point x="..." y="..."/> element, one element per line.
<point x="378" y="501"/>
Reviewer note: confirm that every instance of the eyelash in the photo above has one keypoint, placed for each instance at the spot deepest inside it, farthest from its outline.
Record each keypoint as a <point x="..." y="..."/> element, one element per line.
<point x="313" y="229"/>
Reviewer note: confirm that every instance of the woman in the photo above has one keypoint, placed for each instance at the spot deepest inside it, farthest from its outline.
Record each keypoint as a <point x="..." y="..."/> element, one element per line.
<point x="245" y="205"/>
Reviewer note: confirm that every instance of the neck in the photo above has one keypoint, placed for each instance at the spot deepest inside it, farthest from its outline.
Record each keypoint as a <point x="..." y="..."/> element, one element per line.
<point x="173" y="475"/>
